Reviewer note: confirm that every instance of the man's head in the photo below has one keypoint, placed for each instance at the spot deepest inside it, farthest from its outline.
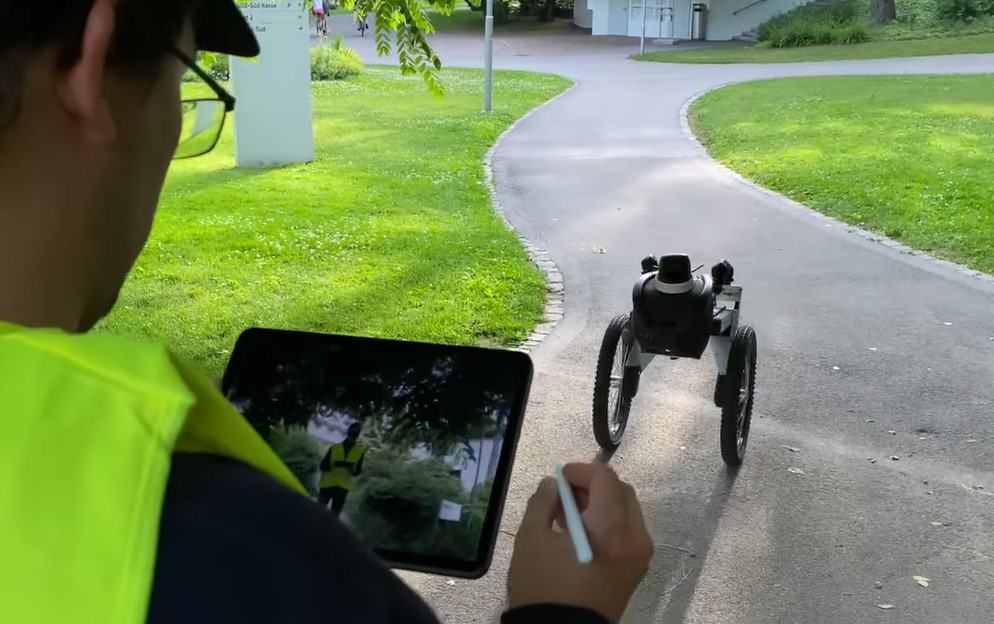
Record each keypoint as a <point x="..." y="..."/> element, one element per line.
<point x="89" y="121"/>
<point x="355" y="430"/>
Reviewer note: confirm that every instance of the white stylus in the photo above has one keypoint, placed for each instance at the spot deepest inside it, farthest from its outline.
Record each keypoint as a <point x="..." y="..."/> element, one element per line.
<point x="574" y="524"/>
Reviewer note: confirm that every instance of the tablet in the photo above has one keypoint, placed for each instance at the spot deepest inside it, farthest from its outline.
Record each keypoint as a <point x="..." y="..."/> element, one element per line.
<point x="409" y="444"/>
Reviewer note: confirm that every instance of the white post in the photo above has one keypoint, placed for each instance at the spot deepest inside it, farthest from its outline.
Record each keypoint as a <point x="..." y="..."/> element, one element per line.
<point x="488" y="59"/>
<point x="274" y="116"/>
<point x="642" y="40"/>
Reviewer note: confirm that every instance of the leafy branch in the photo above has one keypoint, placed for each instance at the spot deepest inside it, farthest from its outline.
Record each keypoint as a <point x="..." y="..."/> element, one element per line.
<point x="408" y="22"/>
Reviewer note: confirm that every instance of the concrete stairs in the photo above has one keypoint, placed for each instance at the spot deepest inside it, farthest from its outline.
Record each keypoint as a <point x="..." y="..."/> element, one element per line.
<point x="749" y="36"/>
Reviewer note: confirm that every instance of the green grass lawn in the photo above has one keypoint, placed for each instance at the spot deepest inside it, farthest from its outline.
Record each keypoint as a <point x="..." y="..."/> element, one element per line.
<point x="969" y="44"/>
<point x="390" y="232"/>
<point x="911" y="157"/>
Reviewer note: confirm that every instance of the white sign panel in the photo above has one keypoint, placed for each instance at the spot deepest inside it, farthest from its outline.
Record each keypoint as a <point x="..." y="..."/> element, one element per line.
<point x="450" y="512"/>
<point x="273" y="116"/>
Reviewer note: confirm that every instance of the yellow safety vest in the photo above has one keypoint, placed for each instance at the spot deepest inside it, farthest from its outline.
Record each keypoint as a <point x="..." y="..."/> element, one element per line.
<point x="342" y="467"/>
<point x="87" y="428"/>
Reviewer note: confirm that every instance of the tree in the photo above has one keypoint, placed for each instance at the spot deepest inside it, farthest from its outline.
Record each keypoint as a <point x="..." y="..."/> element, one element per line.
<point x="412" y="395"/>
<point x="882" y="11"/>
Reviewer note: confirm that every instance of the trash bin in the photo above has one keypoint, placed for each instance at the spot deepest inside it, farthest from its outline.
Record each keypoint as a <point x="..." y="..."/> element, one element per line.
<point x="698" y="23"/>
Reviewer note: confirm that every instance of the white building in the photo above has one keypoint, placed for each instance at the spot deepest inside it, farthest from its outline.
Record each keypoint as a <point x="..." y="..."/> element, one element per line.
<point x="673" y="19"/>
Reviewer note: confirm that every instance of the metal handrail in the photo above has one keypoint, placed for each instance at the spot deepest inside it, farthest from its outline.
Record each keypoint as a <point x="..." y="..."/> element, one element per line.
<point x="748" y="6"/>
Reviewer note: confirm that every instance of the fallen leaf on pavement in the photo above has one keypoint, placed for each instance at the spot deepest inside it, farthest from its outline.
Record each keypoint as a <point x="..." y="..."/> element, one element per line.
<point x="600" y="250"/>
<point x="792" y="449"/>
<point x="796" y="471"/>
<point x="921" y="580"/>
<point x="885" y="607"/>
<point x="895" y="457"/>
<point x="872" y="460"/>
<point x="450" y="582"/>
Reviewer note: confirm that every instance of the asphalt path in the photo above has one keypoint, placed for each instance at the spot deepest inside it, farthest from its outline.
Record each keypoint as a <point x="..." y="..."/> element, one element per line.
<point x="866" y="352"/>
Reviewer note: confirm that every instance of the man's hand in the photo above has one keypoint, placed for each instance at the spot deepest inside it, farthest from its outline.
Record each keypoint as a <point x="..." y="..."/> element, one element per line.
<point x="544" y="568"/>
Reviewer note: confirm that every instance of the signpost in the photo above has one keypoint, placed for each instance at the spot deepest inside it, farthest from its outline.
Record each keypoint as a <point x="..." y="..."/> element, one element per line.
<point x="273" y="117"/>
<point x="450" y="511"/>
<point x="488" y="59"/>
<point x="642" y="39"/>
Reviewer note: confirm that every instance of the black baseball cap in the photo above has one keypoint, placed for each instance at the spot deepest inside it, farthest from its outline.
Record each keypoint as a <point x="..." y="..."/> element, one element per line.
<point x="221" y="27"/>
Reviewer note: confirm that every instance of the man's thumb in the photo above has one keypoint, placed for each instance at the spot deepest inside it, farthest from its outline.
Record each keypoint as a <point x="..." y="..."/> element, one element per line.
<point x="542" y="506"/>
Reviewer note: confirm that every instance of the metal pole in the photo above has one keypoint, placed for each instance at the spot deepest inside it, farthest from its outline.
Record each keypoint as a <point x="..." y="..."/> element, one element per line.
<point x="488" y="59"/>
<point x="642" y="40"/>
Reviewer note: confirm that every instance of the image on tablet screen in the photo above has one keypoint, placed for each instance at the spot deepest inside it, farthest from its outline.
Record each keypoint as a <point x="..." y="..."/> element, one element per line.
<point x="403" y="446"/>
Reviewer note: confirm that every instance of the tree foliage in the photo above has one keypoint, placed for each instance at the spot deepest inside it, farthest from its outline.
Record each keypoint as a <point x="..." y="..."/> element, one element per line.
<point x="411" y="396"/>
<point x="404" y="25"/>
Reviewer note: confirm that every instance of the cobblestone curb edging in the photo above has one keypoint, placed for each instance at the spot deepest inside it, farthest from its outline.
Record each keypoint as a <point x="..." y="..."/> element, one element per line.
<point x="874" y="237"/>
<point x="555" y="288"/>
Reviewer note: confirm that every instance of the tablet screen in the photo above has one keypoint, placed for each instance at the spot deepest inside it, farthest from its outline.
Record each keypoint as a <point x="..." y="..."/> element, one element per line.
<point x="408" y="444"/>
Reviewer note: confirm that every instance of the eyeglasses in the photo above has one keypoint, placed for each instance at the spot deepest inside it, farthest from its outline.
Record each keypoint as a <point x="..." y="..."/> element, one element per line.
<point x="203" y="118"/>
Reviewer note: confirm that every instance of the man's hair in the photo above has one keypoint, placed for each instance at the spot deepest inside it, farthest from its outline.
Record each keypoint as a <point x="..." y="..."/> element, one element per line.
<point x="145" y="30"/>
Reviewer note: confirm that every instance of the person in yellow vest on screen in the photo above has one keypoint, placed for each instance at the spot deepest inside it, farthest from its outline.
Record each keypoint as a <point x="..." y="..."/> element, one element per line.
<point x="340" y="466"/>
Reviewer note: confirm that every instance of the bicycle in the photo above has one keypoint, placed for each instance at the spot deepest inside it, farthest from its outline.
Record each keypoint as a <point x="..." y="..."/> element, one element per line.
<point x="678" y="315"/>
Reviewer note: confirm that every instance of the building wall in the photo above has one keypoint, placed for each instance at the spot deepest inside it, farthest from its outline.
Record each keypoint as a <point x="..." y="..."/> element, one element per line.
<point x="598" y="16"/>
<point x="617" y="17"/>
<point x="723" y="25"/>
<point x="610" y="17"/>
<point x="583" y="15"/>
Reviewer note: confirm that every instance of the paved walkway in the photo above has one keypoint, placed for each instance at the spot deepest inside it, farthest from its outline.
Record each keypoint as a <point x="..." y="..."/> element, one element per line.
<point x="857" y="355"/>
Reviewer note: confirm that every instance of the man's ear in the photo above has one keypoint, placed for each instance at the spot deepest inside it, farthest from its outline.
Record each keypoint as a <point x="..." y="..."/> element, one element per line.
<point x="82" y="86"/>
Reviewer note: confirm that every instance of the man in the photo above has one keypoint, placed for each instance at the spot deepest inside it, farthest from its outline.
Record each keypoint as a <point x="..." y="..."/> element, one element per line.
<point x="341" y="464"/>
<point x="130" y="490"/>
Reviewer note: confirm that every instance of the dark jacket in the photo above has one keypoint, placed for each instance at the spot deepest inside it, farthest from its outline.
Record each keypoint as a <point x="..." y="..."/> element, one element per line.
<point x="236" y="546"/>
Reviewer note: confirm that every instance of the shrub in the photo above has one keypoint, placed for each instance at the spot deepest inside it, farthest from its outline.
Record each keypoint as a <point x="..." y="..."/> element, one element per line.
<point x="960" y="10"/>
<point x="800" y="34"/>
<point x="300" y="452"/>
<point x="218" y="66"/>
<point x="853" y="33"/>
<point x="335" y="62"/>
<point x="802" y="20"/>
